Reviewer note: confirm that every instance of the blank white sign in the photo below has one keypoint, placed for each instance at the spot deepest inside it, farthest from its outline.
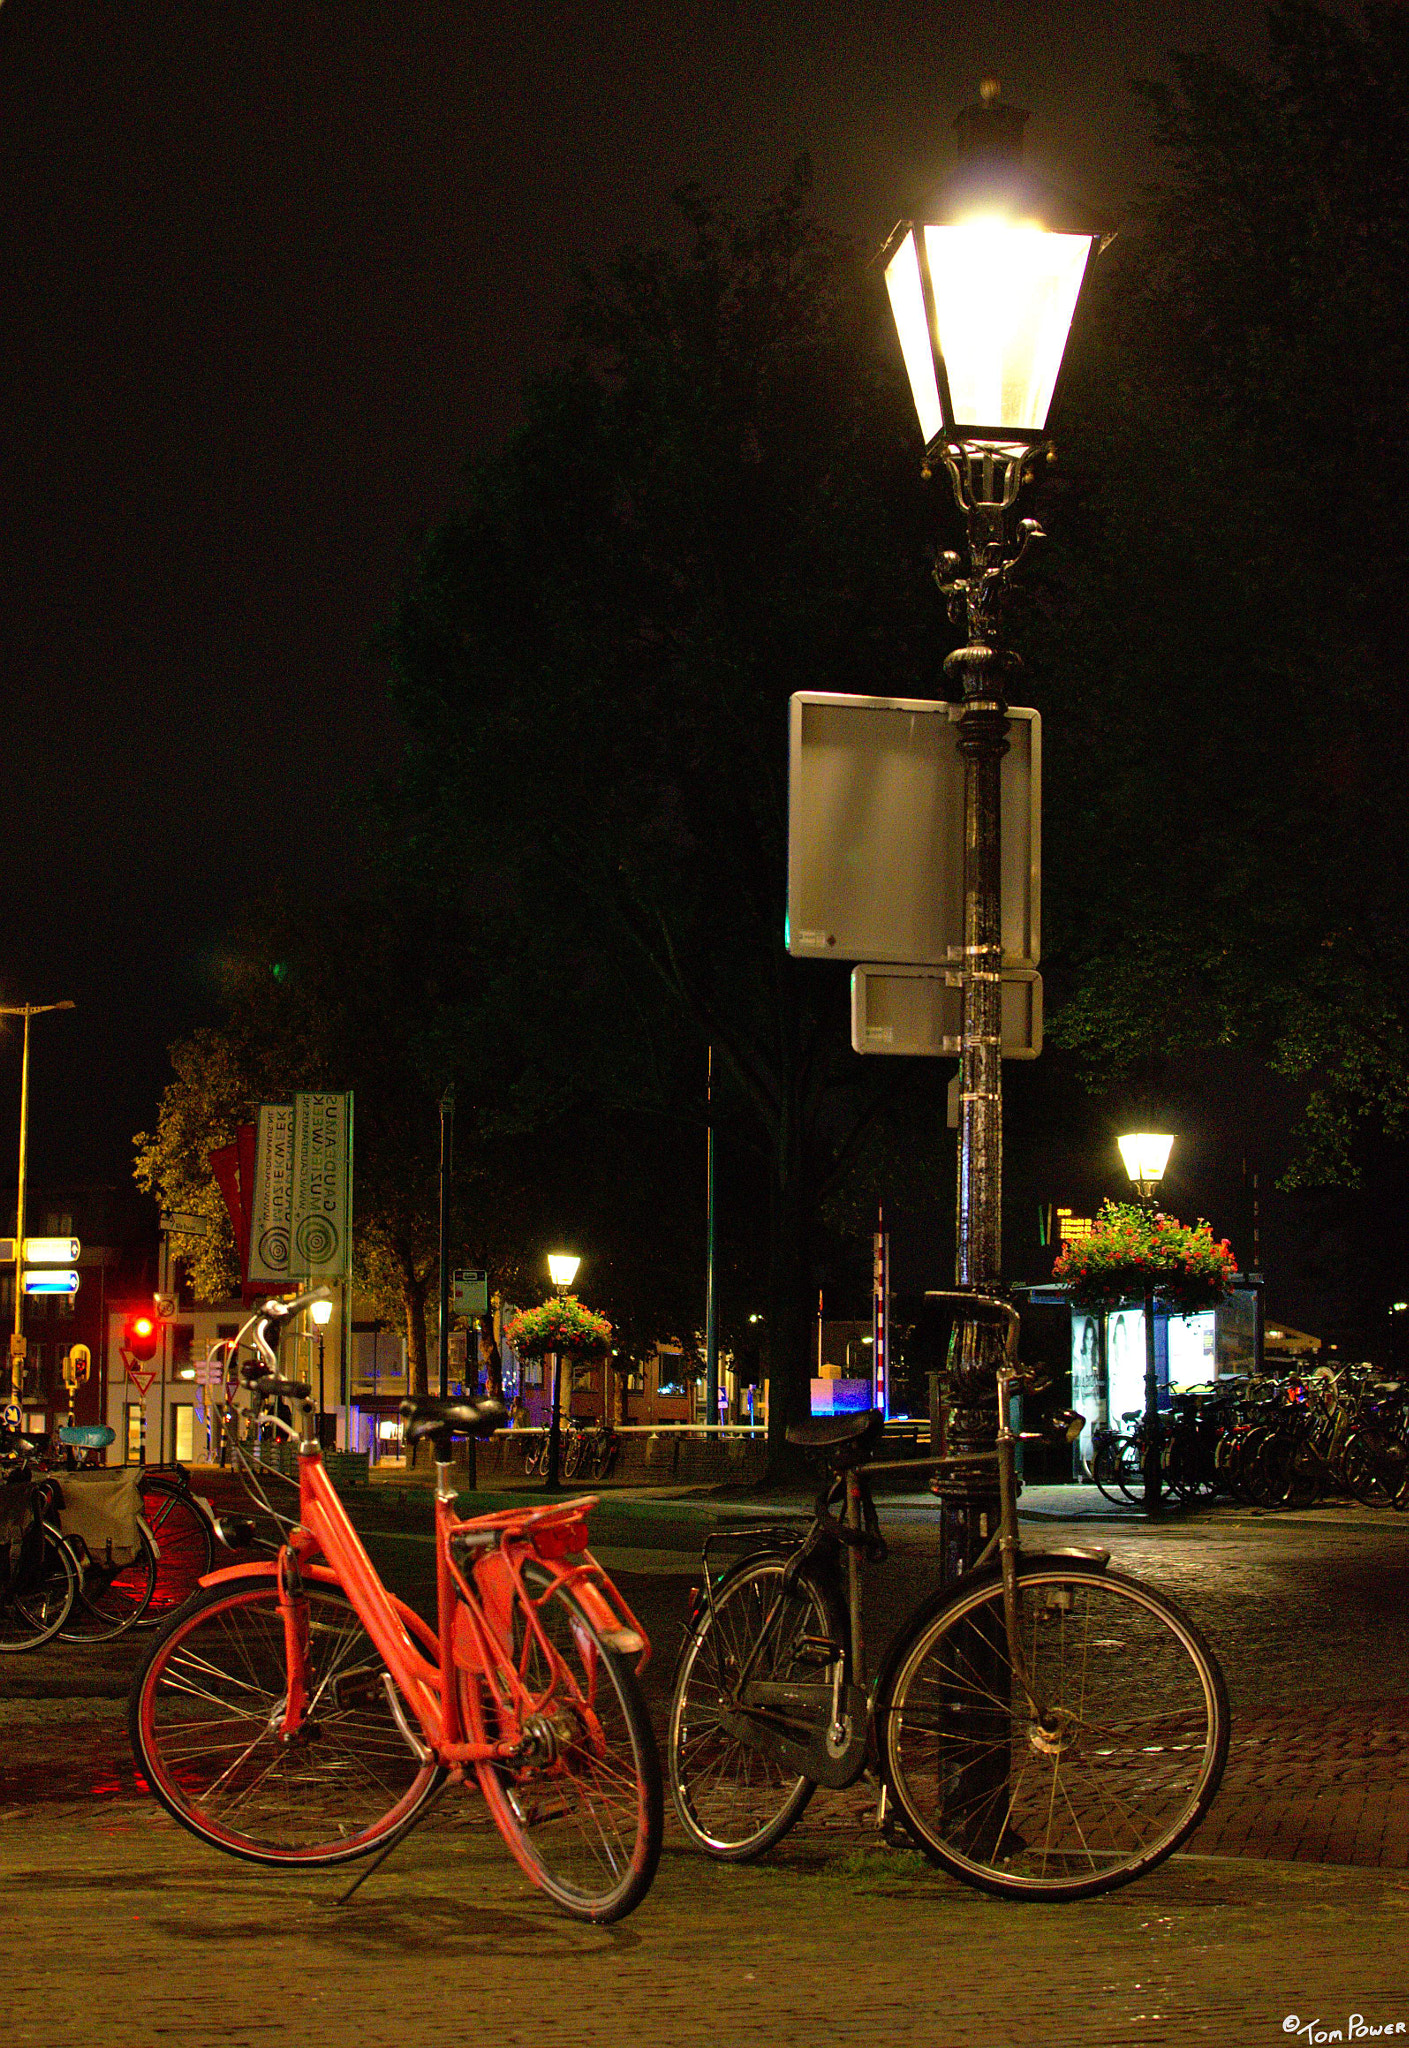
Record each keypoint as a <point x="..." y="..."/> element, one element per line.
<point x="876" y="831"/>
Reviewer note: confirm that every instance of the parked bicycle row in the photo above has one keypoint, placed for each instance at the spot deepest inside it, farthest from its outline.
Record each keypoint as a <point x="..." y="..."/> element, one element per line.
<point x="297" y="1714"/>
<point x="1269" y="1443"/>
<point x="588" y="1451"/>
<point x="87" y="1553"/>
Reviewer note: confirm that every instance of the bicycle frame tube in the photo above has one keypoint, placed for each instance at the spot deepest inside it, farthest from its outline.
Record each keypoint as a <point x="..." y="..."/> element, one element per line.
<point x="475" y="1632"/>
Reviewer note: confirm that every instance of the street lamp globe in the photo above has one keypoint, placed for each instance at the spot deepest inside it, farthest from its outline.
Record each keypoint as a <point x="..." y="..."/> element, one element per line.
<point x="1146" y="1154"/>
<point x="983" y="286"/>
<point x="562" y="1269"/>
<point x="322" y="1312"/>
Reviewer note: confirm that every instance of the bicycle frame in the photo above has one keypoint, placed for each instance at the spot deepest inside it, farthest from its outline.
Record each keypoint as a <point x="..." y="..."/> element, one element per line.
<point x="859" y="1515"/>
<point x="475" y="1610"/>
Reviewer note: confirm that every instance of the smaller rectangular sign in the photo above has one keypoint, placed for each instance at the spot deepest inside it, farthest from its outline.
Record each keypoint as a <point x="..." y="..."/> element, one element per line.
<point x="921" y="1010"/>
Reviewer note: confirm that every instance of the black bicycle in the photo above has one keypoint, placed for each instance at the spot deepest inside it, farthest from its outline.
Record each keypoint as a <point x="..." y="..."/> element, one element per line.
<point x="1046" y="1728"/>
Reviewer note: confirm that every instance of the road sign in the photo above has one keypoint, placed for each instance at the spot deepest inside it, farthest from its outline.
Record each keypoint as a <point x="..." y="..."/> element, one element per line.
<point x="469" y="1291"/>
<point x="50" y="1280"/>
<point x="921" y="1010"/>
<point x="51" y="1251"/>
<point x="165" y="1306"/>
<point x="186" y="1225"/>
<point x="12" y="1415"/>
<point x="141" y="1376"/>
<point x="876" y="831"/>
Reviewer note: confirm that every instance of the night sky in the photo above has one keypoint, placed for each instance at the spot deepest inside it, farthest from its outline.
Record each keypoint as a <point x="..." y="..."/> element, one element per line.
<point x="270" y="272"/>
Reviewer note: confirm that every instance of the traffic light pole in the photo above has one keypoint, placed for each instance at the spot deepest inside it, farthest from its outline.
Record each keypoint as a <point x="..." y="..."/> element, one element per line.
<point x="25" y="1010"/>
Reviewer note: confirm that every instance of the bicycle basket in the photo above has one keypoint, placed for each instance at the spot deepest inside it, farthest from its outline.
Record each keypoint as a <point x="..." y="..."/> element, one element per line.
<point x="100" y="1509"/>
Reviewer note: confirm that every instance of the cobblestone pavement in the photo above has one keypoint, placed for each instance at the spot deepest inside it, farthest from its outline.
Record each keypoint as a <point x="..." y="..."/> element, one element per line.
<point x="127" y="1933"/>
<point x="1289" y="1907"/>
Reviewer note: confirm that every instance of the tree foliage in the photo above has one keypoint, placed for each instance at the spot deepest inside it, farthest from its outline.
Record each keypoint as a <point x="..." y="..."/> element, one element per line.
<point x="1226" y="843"/>
<point x="713" y="504"/>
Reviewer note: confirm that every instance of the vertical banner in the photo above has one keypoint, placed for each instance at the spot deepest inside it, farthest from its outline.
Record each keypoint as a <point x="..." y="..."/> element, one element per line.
<point x="322" y="1187"/>
<point x="271" y="1209"/>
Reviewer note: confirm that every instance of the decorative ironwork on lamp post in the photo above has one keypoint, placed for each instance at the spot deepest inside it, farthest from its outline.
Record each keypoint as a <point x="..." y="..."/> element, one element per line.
<point x="983" y="285"/>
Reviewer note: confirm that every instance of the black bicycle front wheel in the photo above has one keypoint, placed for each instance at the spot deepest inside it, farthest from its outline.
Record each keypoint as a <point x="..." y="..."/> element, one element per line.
<point x="1079" y="1785"/>
<point x="734" y="1797"/>
<point x="40" y="1593"/>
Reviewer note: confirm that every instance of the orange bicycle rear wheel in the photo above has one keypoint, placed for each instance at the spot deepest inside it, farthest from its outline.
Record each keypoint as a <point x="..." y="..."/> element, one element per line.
<point x="582" y="1810"/>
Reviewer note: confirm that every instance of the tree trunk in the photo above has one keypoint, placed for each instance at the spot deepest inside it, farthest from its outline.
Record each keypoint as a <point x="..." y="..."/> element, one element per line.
<point x="492" y="1358"/>
<point x="413" y="1295"/>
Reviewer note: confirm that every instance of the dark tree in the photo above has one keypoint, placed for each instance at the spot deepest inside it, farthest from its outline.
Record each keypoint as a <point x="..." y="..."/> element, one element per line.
<point x="713" y="504"/>
<point x="1229" y="742"/>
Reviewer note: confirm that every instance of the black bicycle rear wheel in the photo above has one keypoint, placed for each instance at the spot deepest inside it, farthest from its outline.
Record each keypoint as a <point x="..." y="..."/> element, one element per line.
<point x="735" y="1799"/>
<point x="185" y="1542"/>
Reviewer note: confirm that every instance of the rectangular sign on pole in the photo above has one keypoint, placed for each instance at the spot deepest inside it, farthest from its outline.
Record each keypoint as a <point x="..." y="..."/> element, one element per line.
<point x="271" y="1209"/>
<point x="876" y="831"/>
<point x="469" y="1291"/>
<point x="322" y="1186"/>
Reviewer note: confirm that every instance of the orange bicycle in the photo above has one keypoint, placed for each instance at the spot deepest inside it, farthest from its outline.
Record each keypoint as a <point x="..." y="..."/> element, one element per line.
<point x="298" y="1714"/>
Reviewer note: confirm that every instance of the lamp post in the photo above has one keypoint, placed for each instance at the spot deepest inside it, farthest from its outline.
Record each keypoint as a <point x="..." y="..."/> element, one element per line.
<point x="1146" y="1155"/>
<point x="562" y="1271"/>
<point x="17" y="1341"/>
<point x="447" y="1140"/>
<point x="322" y="1314"/>
<point x="983" y="285"/>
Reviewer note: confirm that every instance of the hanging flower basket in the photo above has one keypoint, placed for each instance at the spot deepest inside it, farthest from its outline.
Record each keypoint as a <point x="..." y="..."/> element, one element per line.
<point x="564" y="1326"/>
<point x="1130" y="1249"/>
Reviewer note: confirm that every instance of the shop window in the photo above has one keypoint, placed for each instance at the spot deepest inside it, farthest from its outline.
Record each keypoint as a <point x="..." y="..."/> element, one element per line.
<point x="670" y="1376"/>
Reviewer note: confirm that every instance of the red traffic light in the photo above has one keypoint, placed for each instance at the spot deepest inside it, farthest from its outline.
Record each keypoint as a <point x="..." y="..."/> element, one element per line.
<point x="141" y="1334"/>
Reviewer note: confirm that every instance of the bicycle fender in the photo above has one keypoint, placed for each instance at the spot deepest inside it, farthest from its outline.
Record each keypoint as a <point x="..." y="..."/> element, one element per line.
<point x="321" y="1574"/>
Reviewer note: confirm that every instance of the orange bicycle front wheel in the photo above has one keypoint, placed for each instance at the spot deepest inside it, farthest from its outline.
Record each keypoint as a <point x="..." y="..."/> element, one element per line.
<point x="205" y="1721"/>
<point x="582" y="1809"/>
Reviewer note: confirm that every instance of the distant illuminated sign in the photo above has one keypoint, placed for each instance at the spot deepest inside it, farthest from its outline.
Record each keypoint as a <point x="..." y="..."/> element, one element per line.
<point x="1070" y="1227"/>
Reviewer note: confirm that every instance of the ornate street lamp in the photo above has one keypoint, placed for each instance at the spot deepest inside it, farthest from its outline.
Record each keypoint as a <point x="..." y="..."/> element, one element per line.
<point x="562" y="1271"/>
<point x="1146" y="1155"/>
<point x="322" y="1314"/>
<point x="983" y="284"/>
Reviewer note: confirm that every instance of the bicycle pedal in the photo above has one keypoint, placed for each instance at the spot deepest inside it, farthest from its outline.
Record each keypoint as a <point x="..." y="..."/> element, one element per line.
<point x="816" y="1650"/>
